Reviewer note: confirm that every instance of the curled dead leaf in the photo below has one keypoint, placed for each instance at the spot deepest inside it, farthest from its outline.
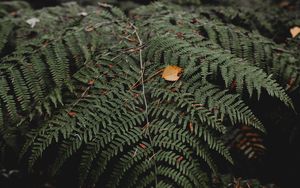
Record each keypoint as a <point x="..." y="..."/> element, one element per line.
<point x="171" y="73"/>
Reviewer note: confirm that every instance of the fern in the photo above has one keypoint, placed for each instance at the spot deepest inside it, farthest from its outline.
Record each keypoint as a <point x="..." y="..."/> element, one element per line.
<point x="5" y="29"/>
<point x="93" y="89"/>
<point x="247" y="141"/>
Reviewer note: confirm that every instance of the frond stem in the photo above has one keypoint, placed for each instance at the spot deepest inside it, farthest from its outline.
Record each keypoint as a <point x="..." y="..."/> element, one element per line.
<point x="147" y="132"/>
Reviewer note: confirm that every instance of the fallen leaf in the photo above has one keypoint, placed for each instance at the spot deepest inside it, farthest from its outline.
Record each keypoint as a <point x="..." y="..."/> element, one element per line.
<point x="171" y="73"/>
<point x="32" y="22"/>
<point x="14" y="13"/>
<point x="180" y="158"/>
<point x="233" y="84"/>
<point x="91" y="82"/>
<point x="295" y="31"/>
<point x="83" y="14"/>
<point x="180" y="35"/>
<point x="72" y="114"/>
<point x="89" y="28"/>
<point x="290" y="83"/>
<point x="194" y="21"/>
<point x="143" y="146"/>
<point x="191" y="127"/>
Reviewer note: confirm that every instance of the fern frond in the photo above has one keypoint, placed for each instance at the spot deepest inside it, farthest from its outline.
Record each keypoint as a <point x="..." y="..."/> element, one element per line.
<point x="126" y="163"/>
<point x="7" y="99"/>
<point x="231" y="68"/>
<point x="6" y="28"/>
<point x="247" y="141"/>
<point x="163" y="129"/>
<point x="93" y="89"/>
<point x="223" y="103"/>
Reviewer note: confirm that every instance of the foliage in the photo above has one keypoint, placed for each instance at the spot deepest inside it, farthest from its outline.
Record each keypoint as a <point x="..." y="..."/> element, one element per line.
<point x="228" y="180"/>
<point x="87" y="82"/>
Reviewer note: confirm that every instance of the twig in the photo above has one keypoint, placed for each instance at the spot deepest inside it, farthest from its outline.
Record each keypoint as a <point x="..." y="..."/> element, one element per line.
<point x="142" y="67"/>
<point x="105" y="5"/>
<point x="136" y="84"/>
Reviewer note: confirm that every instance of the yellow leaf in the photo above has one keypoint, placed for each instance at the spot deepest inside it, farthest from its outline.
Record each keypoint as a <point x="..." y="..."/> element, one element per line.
<point x="171" y="73"/>
<point x="295" y="31"/>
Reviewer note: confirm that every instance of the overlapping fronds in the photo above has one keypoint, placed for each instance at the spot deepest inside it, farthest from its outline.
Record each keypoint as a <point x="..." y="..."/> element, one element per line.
<point x="93" y="89"/>
<point x="5" y="30"/>
<point x="247" y="141"/>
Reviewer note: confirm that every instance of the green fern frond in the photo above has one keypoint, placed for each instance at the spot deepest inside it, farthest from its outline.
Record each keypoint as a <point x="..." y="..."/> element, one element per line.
<point x="216" y="61"/>
<point x="93" y="89"/>
<point x="6" y="28"/>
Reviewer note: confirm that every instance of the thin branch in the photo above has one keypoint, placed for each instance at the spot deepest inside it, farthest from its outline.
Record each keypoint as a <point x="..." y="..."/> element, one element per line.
<point x="142" y="67"/>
